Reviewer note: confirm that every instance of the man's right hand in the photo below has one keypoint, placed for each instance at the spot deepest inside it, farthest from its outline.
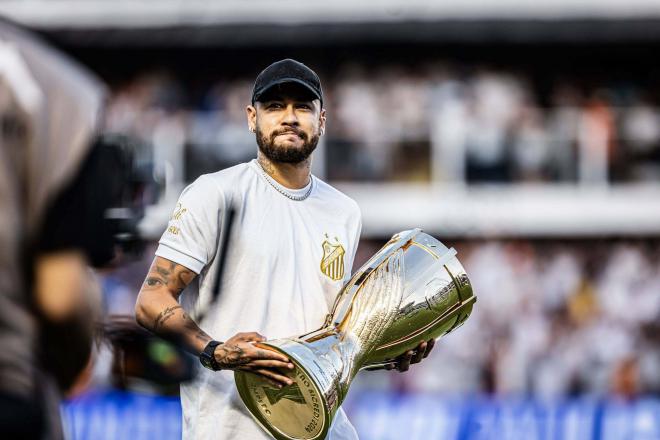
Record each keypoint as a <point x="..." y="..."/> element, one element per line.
<point x="240" y="353"/>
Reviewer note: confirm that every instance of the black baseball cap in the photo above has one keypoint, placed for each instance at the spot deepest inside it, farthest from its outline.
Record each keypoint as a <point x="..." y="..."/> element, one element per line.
<point x="287" y="71"/>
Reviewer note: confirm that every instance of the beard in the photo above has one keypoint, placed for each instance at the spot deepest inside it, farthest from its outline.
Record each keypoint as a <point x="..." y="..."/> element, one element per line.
<point x="286" y="154"/>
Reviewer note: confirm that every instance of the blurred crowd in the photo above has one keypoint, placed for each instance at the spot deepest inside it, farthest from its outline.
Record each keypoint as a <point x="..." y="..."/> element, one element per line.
<point x="551" y="319"/>
<point x="434" y="122"/>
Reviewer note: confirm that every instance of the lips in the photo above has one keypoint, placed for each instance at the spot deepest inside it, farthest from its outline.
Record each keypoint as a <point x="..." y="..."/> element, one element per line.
<point x="289" y="133"/>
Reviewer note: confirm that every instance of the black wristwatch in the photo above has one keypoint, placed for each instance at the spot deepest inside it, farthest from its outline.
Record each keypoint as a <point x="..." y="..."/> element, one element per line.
<point x="207" y="357"/>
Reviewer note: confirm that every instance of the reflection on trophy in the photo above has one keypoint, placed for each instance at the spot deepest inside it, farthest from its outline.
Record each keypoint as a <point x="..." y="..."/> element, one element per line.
<point x="410" y="291"/>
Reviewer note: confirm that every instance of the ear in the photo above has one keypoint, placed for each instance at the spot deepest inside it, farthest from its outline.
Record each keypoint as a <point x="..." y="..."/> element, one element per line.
<point x="251" y="114"/>
<point x="322" y="121"/>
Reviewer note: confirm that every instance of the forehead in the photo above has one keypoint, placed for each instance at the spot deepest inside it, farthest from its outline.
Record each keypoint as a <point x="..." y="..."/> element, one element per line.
<point x="288" y="92"/>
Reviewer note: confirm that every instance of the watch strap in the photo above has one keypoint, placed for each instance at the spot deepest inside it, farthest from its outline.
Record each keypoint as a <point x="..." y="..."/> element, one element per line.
<point x="209" y="355"/>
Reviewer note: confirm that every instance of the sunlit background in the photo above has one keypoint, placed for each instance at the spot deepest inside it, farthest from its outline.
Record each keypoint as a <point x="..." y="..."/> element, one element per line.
<point x="524" y="134"/>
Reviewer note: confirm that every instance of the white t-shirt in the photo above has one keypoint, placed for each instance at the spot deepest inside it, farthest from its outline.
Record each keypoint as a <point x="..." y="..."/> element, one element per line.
<point x="286" y="261"/>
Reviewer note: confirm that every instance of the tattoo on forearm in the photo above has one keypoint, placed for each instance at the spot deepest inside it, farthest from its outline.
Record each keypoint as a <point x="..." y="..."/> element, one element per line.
<point x="164" y="316"/>
<point x="153" y="282"/>
<point x="183" y="322"/>
<point x="168" y="279"/>
<point x="184" y="278"/>
<point x="168" y="274"/>
<point x="189" y="324"/>
<point x="164" y="272"/>
<point x="202" y="336"/>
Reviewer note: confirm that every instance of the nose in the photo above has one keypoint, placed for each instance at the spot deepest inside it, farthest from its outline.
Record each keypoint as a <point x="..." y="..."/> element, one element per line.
<point x="290" y="116"/>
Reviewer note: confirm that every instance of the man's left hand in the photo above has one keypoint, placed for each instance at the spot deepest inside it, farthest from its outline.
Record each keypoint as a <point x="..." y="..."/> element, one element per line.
<point x="412" y="356"/>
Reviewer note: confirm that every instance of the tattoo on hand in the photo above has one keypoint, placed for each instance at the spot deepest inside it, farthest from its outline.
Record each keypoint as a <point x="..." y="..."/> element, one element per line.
<point x="231" y="356"/>
<point x="164" y="316"/>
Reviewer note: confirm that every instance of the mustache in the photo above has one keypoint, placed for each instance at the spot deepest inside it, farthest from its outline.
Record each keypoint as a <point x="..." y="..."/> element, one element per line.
<point x="298" y="132"/>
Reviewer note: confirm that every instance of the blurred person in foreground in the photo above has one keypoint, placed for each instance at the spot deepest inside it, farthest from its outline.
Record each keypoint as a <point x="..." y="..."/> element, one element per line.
<point x="290" y="252"/>
<point x="53" y="196"/>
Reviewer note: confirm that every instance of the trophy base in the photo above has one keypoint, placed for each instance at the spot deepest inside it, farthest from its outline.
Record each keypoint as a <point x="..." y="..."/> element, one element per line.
<point x="294" y="412"/>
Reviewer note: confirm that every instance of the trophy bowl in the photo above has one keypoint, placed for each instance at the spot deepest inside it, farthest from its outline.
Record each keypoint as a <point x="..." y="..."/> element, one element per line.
<point x="412" y="290"/>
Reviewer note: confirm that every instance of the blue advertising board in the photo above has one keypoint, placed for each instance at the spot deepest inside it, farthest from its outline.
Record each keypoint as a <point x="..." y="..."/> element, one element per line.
<point x="386" y="416"/>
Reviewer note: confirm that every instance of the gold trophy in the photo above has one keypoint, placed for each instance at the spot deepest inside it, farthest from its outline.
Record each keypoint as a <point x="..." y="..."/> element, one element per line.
<point x="410" y="291"/>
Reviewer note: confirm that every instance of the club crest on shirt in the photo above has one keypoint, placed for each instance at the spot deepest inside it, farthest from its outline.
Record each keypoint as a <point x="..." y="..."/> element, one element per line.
<point x="332" y="262"/>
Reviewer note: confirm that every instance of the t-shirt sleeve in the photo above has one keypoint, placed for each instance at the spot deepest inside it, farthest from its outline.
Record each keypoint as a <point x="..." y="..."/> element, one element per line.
<point x="191" y="237"/>
<point x="357" y="230"/>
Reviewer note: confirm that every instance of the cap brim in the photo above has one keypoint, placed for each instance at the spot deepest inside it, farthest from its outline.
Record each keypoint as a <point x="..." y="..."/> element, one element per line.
<point x="281" y="81"/>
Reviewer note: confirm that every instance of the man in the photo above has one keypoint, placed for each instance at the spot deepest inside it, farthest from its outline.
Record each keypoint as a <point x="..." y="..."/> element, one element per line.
<point x="279" y="281"/>
<point x="49" y="108"/>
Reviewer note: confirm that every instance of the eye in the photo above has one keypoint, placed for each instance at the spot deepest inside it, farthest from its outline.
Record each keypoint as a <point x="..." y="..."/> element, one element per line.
<point x="274" y="105"/>
<point x="304" y="106"/>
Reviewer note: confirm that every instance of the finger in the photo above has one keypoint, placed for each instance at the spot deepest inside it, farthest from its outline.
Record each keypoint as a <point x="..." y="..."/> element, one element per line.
<point x="429" y="346"/>
<point x="273" y="375"/>
<point x="419" y="353"/>
<point x="262" y="353"/>
<point x="404" y="363"/>
<point x="268" y="363"/>
<point x="391" y="366"/>
<point x="252" y="336"/>
<point x="272" y="382"/>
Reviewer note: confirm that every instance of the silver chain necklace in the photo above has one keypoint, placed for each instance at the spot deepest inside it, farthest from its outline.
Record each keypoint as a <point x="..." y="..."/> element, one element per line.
<point x="281" y="191"/>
